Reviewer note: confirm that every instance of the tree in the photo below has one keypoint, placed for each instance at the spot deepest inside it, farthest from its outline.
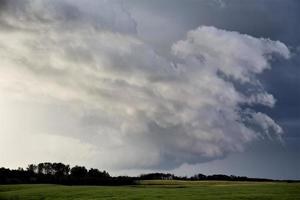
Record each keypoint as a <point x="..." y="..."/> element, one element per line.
<point x="41" y="168"/>
<point x="60" y="169"/>
<point x="78" y="171"/>
<point x="32" y="168"/>
<point x="198" y="177"/>
<point x="48" y="168"/>
<point x="95" y="173"/>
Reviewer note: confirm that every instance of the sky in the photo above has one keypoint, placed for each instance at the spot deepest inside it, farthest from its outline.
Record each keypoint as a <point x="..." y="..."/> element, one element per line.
<point x="136" y="86"/>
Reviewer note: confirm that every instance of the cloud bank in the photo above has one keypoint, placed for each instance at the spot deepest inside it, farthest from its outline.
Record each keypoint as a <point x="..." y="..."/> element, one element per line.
<point x="124" y="106"/>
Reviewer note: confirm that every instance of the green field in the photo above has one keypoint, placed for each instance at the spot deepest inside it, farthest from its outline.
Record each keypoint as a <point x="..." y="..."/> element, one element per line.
<point x="179" y="190"/>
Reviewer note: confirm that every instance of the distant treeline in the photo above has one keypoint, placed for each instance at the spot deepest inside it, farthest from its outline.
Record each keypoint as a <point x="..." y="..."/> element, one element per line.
<point x="198" y="177"/>
<point x="59" y="173"/>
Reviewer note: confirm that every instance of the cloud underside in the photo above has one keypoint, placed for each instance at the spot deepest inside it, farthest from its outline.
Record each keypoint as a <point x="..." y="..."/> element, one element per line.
<point x="131" y="107"/>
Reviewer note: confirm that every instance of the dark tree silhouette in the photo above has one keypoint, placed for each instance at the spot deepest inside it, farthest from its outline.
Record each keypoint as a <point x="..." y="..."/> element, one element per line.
<point x="199" y="177"/>
<point x="79" y="171"/>
<point x="32" y="168"/>
<point x="41" y="168"/>
<point x="98" y="174"/>
<point x="60" y="169"/>
<point x="158" y="176"/>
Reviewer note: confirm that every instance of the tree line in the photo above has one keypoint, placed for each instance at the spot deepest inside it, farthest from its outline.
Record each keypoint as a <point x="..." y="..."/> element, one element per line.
<point x="198" y="177"/>
<point x="59" y="173"/>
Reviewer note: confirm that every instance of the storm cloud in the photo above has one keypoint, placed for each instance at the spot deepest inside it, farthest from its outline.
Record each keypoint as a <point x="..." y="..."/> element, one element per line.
<point x="98" y="93"/>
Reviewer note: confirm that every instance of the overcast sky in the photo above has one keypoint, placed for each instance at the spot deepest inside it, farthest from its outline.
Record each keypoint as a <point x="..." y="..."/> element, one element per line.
<point x="134" y="86"/>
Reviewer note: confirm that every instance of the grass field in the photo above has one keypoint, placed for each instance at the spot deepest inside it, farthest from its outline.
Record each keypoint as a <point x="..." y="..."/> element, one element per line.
<point x="179" y="190"/>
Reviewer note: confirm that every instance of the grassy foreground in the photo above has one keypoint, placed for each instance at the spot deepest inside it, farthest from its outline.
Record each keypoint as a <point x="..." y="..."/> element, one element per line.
<point x="178" y="190"/>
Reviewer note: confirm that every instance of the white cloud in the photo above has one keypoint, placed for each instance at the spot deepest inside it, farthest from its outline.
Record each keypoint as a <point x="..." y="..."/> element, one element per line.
<point x="232" y="53"/>
<point x="130" y="107"/>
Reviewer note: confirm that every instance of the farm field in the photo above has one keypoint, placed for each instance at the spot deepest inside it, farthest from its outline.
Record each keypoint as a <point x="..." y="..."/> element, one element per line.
<point x="178" y="190"/>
